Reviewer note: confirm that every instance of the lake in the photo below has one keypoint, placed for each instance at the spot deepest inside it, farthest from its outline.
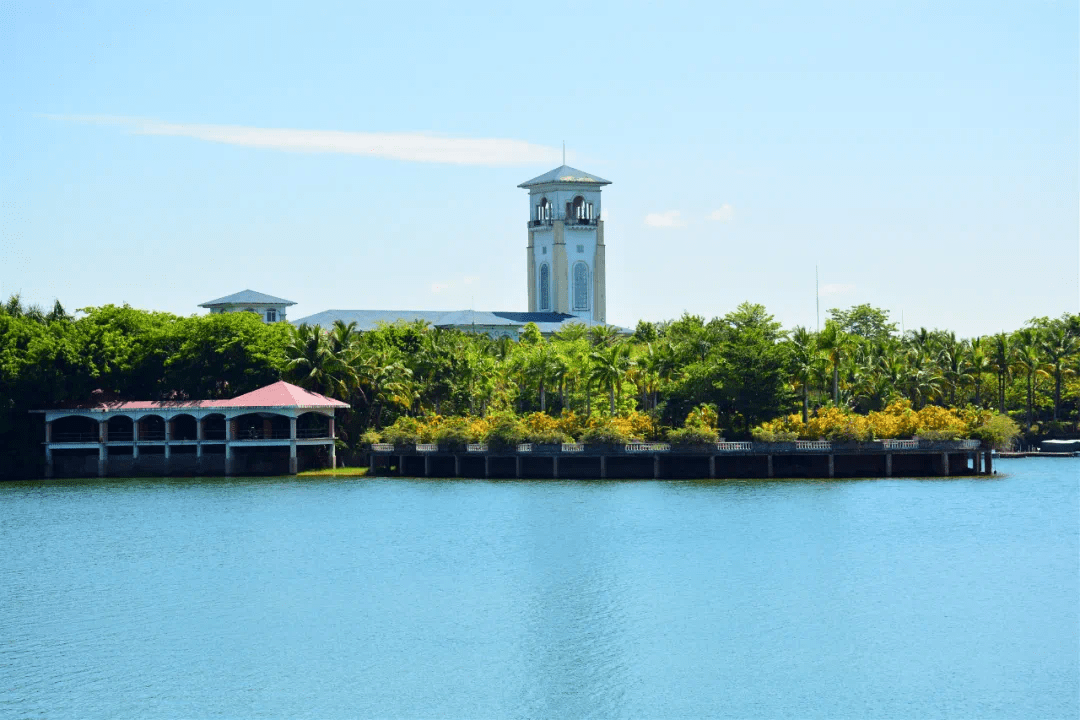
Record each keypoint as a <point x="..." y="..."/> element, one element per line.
<point x="397" y="598"/>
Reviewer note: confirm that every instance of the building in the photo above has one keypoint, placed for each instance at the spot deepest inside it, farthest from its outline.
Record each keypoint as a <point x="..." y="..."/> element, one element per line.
<point x="565" y="281"/>
<point x="274" y="429"/>
<point x="269" y="308"/>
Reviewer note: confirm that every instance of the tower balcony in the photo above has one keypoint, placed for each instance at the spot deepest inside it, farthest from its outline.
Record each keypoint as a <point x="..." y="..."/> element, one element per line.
<point x="569" y="222"/>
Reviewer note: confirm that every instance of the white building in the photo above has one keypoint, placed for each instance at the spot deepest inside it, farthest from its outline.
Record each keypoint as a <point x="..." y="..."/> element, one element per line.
<point x="269" y="308"/>
<point x="565" y="255"/>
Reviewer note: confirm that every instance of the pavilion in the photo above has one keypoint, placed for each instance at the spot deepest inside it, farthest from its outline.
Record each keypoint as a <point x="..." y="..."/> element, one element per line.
<point x="264" y="431"/>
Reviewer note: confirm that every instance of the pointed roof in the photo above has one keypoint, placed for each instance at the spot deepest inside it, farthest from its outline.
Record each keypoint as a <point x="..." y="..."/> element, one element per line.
<point x="282" y="394"/>
<point x="565" y="174"/>
<point x="247" y="297"/>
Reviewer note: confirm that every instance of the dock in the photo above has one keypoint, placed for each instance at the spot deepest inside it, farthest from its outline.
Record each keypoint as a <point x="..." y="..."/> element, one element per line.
<point x="800" y="459"/>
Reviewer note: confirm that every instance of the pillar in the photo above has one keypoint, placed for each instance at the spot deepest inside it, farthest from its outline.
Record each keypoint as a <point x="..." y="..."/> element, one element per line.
<point x="228" y="458"/>
<point x="768" y="466"/>
<point x="832" y="465"/>
<point x="134" y="439"/>
<point x="945" y="464"/>
<point x="198" y="444"/>
<point x="656" y="467"/>
<point x="292" y="445"/>
<point x="487" y="466"/>
<point x="457" y="465"/>
<point x="103" y="460"/>
<point x="555" y="467"/>
<point x="427" y="465"/>
<point x="401" y="465"/>
<point x="712" y="467"/>
<point x="603" y="467"/>
<point x="988" y="465"/>
<point x="168" y="439"/>
<point x="976" y="463"/>
<point x="517" y="467"/>
<point x="888" y="464"/>
<point x="48" y="450"/>
<point x="333" y="444"/>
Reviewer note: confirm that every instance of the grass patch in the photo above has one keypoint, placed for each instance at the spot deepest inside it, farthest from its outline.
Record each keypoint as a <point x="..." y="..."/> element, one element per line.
<point x="335" y="472"/>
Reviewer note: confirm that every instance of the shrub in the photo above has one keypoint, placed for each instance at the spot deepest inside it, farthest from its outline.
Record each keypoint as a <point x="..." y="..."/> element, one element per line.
<point x="404" y="431"/>
<point x="764" y="434"/>
<point x="998" y="432"/>
<point x="543" y="429"/>
<point x="455" y="431"/>
<point x="692" y="435"/>
<point x="605" y="435"/>
<point x="506" y="432"/>
<point x="370" y="437"/>
<point x="547" y="437"/>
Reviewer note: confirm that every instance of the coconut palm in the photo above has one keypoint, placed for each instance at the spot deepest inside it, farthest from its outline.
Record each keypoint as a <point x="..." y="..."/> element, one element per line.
<point x="609" y="367"/>
<point x="834" y="343"/>
<point x="1059" y="347"/>
<point x="806" y="363"/>
<point x="1027" y="358"/>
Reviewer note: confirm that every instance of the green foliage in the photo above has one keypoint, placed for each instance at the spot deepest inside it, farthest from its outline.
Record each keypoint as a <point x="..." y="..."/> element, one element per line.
<point x="864" y="321"/>
<point x="505" y="432"/>
<point x="605" y="435"/>
<point x="404" y="431"/>
<point x="997" y="431"/>
<point x="768" y="435"/>
<point x="370" y="437"/>
<point x="692" y="435"/>
<point x="455" y="432"/>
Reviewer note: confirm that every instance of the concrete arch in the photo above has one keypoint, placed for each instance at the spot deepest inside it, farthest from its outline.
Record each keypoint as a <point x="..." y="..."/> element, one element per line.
<point x="183" y="426"/>
<point x="75" y="427"/>
<point x="151" y="427"/>
<point x="260" y="426"/>
<point x="121" y="427"/>
<point x="214" y="426"/>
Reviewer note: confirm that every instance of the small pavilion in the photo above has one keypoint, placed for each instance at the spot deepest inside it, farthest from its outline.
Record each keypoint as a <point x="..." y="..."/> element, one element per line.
<point x="264" y="431"/>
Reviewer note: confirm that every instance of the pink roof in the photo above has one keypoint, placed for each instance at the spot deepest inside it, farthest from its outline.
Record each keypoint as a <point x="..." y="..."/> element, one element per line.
<point x="279" y="395"/>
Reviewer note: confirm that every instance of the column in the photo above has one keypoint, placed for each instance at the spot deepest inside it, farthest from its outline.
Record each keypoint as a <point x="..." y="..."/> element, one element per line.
<point x="198" y="444"/>
<point x="48" y="449"/>
<point x="832" y="465"/>
<point x="555" y="467"/>
<point x="888" y="464"/>
<point x="603" y="467"/>
<point x="229" y="435"/>
<point x="168" y="439"/>
<point x="768" y="466"/>
<point x="292" y="446"/>
<point x="988" y="465"/>
<point x="976" y="463"/>
<point x="945" y="464"/>
<point x="656" y="467"/>
<point x="401" y="465"/>
<point x="103" y="448"/>
<point x="457" y="465"/>
<point x="427" y="464"/>
<point x="712" y="467"/>
<point x="371" y="463"/>
<point x="517" y="466"/>
<point x="134" y="439"/>
<point x="333" y="445"/>
<point x="487" y="466"/>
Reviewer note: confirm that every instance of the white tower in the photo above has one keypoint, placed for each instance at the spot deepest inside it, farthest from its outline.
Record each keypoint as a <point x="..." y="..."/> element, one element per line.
<point x="566" y="244"/>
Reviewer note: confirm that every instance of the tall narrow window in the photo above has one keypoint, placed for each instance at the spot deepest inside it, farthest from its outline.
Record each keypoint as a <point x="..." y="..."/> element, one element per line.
<point x="581" y="286"/>
<point x="545" y="287"/>
<point x="271" y="315"/>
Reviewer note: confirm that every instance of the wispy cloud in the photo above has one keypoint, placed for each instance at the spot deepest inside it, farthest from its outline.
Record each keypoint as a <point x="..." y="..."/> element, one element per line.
<point x="836" y="289"/>
<point x="407" y="146"/>
<point x="671" y="218"/>
<point x="724" y="213"/>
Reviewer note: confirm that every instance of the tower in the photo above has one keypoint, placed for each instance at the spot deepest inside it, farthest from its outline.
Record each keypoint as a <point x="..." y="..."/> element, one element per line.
<point x="565" y="256"/>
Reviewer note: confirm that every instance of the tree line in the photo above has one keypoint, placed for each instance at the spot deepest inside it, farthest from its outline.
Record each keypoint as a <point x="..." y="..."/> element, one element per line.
<point x="743" y="366"/>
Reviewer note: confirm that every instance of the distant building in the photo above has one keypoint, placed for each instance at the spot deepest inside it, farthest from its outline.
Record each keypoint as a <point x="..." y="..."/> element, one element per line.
<point x="565" y="263"/>
<point x="269" y="308"/>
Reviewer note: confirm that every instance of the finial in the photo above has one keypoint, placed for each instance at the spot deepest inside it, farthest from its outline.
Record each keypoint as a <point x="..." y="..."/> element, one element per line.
<point x="563" y="152"/>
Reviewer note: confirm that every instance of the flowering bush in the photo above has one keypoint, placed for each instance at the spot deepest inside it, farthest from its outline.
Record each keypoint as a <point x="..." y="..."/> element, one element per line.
<point x="692" y="435"/>
<point x="505" y="432"/>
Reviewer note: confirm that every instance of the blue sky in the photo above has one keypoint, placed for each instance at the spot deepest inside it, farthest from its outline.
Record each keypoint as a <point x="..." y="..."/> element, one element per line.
<point x="366" y="155"/>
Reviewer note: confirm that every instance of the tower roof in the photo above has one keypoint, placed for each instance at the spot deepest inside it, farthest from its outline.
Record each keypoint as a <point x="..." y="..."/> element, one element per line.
<point x="247" y="297"/>
<point x="565" y="174"/>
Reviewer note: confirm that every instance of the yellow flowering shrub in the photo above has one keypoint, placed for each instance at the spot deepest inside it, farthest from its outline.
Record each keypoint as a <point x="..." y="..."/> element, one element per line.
<point x="898" y="420"/>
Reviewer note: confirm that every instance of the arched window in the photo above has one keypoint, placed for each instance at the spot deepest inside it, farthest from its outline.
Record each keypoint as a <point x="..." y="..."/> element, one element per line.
<point x="578" y="209"/>
<point x="545" y="287"/>
<point x="581" y="286"/>
<point x="543" y="210"/>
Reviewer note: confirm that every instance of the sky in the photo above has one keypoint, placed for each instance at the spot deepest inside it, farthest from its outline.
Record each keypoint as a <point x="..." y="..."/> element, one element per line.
<point x="920" y="157"/>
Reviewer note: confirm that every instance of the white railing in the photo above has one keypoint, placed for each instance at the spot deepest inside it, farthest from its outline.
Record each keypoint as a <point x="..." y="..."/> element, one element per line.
<point x="476" y="447"/>
<point x="573" y="447"/>
<point x="813" y="445"/>
<point x="734" y="446"/>
<point x="382" y="447"/>
<point x="900" y="444"/>
<point x="647" y="447"/>
<point x="969" y="444"/>
<point x="524" y="447"/>
<point x="427" y="447"/>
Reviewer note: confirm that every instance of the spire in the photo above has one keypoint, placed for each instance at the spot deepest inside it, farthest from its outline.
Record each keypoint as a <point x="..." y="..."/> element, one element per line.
<point x="563" y="152"/>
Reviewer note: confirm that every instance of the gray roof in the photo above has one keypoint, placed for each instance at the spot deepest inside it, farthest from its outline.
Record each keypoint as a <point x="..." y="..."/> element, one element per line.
<point x="565" y="174"/>
<point x="548" y="322"/>
<point x="247" y="297"/>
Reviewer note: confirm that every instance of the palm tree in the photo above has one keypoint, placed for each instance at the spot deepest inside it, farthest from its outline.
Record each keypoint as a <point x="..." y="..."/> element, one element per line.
<point x="805" y="363"/>
<point x="315" y="363"/>
<point x="978" y="363"/>
<point x="1027" y="358"/>
<point x="1060" y="347"/>
<point x="609" y="367"/>
<point x="834" y="343"/>
<point x="1002" y="362"/>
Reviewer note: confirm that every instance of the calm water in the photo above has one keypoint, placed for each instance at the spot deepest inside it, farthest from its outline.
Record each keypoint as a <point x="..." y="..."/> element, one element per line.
<point x="470" y="599"/>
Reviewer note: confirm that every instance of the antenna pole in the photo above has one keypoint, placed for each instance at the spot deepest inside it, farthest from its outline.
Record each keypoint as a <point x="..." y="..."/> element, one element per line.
<point x="563" y="152"/>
